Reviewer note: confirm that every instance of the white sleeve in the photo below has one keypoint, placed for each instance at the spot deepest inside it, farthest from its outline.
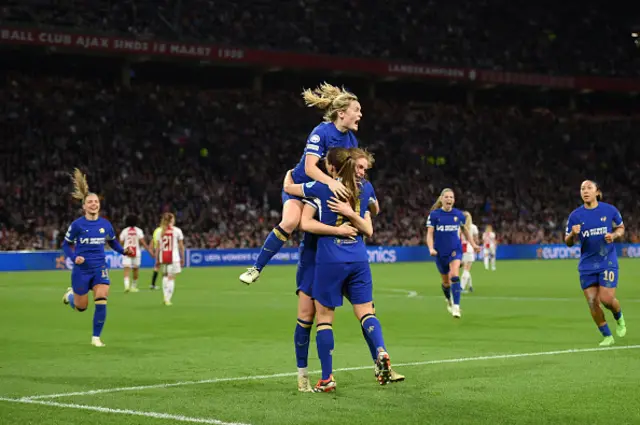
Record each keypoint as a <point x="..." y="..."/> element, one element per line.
<point x="179" y="235"/>
<point x="140" y="233"/>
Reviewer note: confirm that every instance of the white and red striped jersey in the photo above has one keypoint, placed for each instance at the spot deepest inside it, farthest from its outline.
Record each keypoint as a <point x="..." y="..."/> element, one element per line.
<point x="466" y="247"/>
<point x="131" y="237"/>
<point x="168" y="246"/>
<point x="489" y="239"/>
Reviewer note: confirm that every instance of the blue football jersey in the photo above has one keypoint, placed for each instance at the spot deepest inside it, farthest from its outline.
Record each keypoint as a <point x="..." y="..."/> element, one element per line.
<point x="332" y="249"/>
<point x="309" y="244"/>
<point x="596" y="254"/>
<point x="324" y="137"/>
<point x="446" y="230"/>
<point x="89" y="237"/>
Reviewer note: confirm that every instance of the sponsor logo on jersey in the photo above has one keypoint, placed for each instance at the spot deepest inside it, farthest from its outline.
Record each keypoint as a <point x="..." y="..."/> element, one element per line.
<point x="101" y="230"/>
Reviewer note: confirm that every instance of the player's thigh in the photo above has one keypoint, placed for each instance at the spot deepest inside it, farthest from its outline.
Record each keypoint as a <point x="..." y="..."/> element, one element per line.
<point x="324" y="314"/>
<point x="291" y="213"/>
<point x="100" y="291"/>
<point x="328" y="283"/>
<point x="80" y="282"/>
<point x="306" y="307"/>
<point x="454" y="268"/>
<point x="590" y="292"/>
<point x="174" y="269"/>
<point x="608" y="284"/>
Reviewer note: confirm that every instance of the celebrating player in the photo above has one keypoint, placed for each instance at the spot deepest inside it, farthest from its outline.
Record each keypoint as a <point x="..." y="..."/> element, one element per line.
<point x="341" y="119"/>
<point x="132" y="237"/>
<point x="88" y="234"/>
<point x="342" y="265"/>
<point x="468" y="253"/>
<point x="170" y="254"/>
<point x="443" y="228"/>
<point x="597" y="225"/>
<point x="489" y="250"/>
<point x="306" y="271"/>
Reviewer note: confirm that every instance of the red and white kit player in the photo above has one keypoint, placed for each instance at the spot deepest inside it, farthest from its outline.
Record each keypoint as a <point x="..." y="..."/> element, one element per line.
<point x="170" y="254"/>
<point x="468" y="253"/>
<point x="489" y="245"/>
<point x="132" y="237"/>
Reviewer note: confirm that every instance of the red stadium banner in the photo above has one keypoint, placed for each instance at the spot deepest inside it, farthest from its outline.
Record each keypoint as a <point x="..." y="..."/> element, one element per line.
<point x="204" y="52"/>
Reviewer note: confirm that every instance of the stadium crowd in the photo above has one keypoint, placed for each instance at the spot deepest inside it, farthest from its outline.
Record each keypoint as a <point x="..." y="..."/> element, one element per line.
<point x="518" y="35"/>
<point x="217" y="159"/>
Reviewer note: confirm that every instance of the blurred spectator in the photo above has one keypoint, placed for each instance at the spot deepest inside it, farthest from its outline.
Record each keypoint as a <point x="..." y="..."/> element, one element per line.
<point x="517" y="35"/>
<point x="217" y="159"/>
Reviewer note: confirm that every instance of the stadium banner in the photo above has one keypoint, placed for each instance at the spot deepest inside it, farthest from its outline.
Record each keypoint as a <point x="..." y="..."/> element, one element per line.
<point x="55" y="260"/>
<point x="128" y="45"/>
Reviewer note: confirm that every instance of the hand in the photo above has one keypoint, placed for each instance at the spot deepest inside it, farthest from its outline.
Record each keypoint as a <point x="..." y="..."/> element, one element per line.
<point x="575" y="230"/>
<point x="339" y="189"/>
<point x="347" y="230"/>
<point x="128" y="251"/>
<point x="79" y="260"/>
<point x="609" y="237"/>
<point x="340" y="207"/>
<point x="476" y="248"/>
<point x="182" y="262"/>
<point x="433" y="252"/>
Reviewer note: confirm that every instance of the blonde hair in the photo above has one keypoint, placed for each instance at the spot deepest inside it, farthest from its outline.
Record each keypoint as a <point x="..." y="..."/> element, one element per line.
<point x="345" y="164"/>
<point x="80" y="185"/>
<point x="438" y="203"/>
<point x="358" y="153"/>
<point x="165" y="222"/>
<point x="329" y="98"/>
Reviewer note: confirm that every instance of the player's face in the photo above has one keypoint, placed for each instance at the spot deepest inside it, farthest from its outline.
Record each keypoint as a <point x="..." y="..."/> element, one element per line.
<point x="92" y="204"/>
<point x="448" y="199"/>
<point x="362" y="165"/>
<point x="330" y="168"/>
<point x="588" y="191"/>
<point x="350" y="118"/>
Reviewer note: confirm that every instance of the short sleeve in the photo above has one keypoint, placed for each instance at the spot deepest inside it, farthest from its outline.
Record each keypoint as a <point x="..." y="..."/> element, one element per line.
<point x="140" y="233"/>
<point x="179" y="235"/>
<point x="431" y="220"/>
<point x="111" y="234"/>
<point x="617" y="217"/>
<point x="316" y="144"/>
<point x="462" y="218"/>
<point x="314" y="189"/>
<point x="72" y="233"/>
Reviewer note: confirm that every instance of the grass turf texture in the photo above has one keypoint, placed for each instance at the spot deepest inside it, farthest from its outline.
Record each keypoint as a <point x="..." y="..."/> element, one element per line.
<point x="219" y="328"/>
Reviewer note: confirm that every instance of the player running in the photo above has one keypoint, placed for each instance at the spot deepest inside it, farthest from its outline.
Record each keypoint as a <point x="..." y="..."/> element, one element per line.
<point x="342" y="266"/>
<point x="489" y="247"/>
<point x="170" y="254"/>
<point x="88" y="235"/>
<point x="132" y="237"/>
<point x="341" y="119"/>
<point x="468" y="253"/>
<point x="596" y="225"/>
<point x="443" y="228"/>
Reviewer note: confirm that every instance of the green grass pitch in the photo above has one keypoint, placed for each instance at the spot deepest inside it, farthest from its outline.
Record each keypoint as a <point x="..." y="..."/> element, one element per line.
<point x="510" y="359"/>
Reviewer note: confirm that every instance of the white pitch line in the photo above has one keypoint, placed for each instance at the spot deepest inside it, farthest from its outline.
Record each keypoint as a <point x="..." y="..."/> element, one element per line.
<point x="288" y="374"/>
<point x="156" y="415"/>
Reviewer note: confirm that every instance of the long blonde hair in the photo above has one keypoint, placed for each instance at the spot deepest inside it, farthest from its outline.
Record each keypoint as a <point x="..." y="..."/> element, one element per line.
<point x="80" y="185"/>
<point x="329" y="98"/>
<point x="438" y="203"/>
<point x="165" y="222"/>
<point x="345" y="166"/>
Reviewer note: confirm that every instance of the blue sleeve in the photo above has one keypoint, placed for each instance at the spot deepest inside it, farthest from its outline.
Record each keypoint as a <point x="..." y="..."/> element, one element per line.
<point x="431" y="220"/>
<point x="371" y="194"/>
<point x="68" y="250"/>
<point x="572" y="221"/>
<point x="462" y="218"/>
<point x="112" y="240"/>
<point x="617" y="217"/>
<point x="314" y="189"/>
<point x="316" y="144"/>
